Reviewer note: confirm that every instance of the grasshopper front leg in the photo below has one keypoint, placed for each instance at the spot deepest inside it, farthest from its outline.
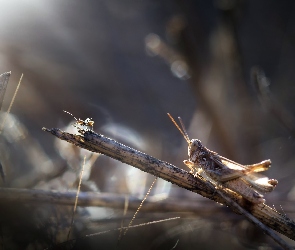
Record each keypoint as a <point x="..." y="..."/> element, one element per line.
<point x="194" y="169"/>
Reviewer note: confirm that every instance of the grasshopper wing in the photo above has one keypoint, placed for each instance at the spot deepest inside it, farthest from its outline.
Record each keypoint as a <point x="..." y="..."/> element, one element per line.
<point x="223" y="170"/>
<point x="248" y="173"/>
<point x="239" y="170"/>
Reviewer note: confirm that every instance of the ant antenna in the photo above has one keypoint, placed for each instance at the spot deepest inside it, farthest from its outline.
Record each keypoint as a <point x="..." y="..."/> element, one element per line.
<point x="182" y="131"/>
<point x="70" y="114"/>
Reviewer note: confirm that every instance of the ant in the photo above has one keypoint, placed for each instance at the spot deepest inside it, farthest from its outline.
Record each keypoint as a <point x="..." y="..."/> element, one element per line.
<point x="87" y="123"/>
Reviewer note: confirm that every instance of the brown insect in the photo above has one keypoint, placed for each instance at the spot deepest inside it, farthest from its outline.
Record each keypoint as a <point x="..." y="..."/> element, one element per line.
<point x="242" y="179"/>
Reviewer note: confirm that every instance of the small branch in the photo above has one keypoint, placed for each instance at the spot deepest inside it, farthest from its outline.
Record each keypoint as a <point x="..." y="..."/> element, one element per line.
<point x="101" y="144"/>
<point x="111" y="200"/>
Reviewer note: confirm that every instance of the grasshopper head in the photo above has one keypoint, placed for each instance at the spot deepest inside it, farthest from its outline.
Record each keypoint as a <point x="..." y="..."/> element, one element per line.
<point x="195" y="150"/>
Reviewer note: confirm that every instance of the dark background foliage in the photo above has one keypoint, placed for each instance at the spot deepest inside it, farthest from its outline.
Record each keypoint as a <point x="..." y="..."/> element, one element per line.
<point x="126" y="64"/>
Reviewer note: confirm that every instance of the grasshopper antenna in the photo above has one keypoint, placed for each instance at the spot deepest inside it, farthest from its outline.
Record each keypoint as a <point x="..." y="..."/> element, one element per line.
<point x="182" y="131"/>
<point x="70" y="114"/>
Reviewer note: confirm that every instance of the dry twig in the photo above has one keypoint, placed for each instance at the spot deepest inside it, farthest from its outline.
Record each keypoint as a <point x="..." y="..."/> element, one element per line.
<point x="93" y="199"/>
<point x="98" y="143"/>
<point x="111" y="200"/>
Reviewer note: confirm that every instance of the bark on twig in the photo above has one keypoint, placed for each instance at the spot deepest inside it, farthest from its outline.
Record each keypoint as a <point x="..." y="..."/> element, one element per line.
<point x="98" y="143"/>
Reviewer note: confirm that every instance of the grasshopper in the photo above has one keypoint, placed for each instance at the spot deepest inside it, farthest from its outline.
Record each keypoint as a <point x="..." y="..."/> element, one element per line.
<point x="242" y="179"/>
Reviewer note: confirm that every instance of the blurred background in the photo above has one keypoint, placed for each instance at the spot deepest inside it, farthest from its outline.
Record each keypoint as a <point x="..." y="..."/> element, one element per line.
<point x="126" y="64"/>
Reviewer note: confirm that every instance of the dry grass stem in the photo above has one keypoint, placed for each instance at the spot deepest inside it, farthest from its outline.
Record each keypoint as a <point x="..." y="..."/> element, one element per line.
<point x="140" y="206"/>
<point x="76" y="200"/>
<point x="135" y="226"/>
<point x="112" y="230"/>
<point x="11" y="103"/>
<point x="126" y="204"/>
